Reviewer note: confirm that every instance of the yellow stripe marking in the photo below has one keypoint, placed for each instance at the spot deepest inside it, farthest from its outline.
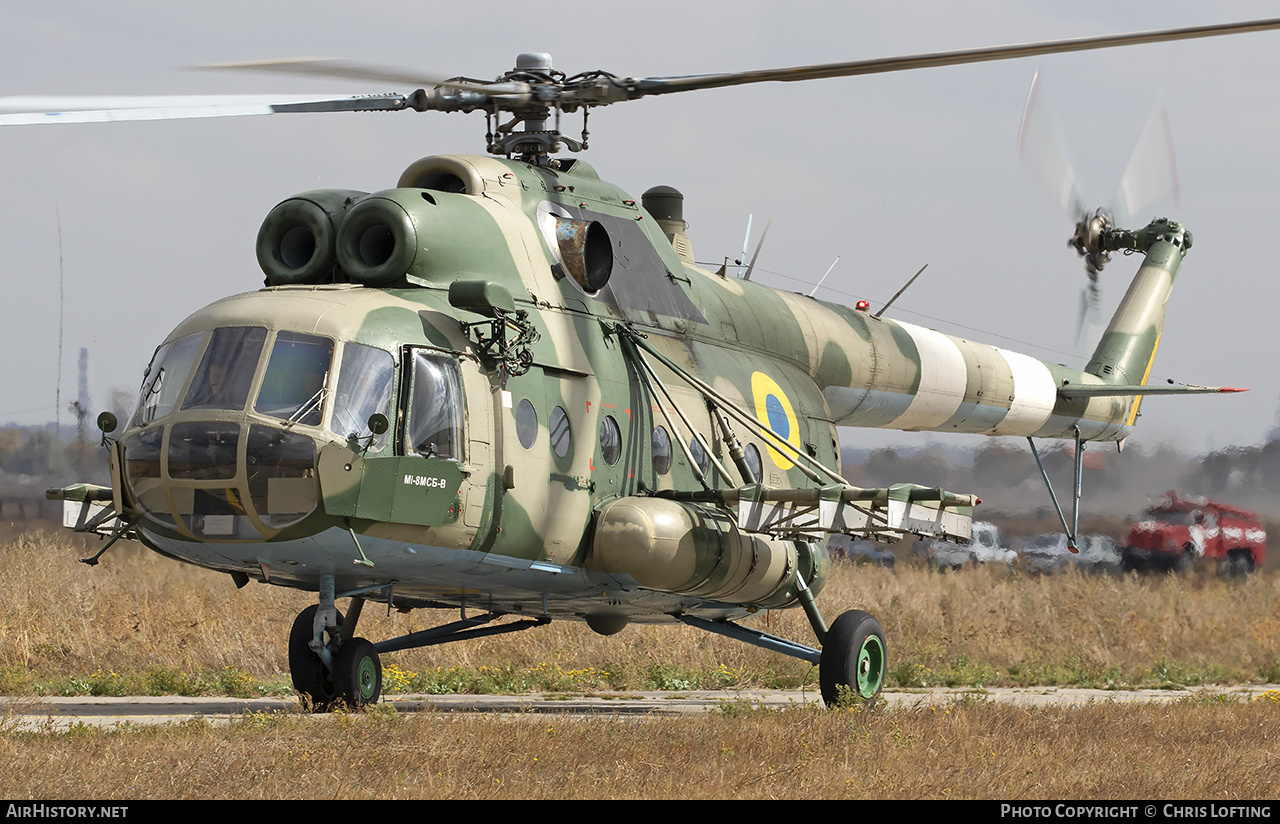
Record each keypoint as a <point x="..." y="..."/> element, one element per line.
<point x="1133" y="414"/>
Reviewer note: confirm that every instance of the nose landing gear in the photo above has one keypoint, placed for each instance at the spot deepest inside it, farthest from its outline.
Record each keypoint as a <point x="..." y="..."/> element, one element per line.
<point x="330" y="669"/>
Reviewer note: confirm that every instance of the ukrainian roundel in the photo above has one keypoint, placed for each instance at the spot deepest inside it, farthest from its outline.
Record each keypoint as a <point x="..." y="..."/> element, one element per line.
<point x="773" y="409"/>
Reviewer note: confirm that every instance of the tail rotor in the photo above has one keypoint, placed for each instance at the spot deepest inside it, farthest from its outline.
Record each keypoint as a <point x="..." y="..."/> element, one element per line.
<point x="1151" y="174"/>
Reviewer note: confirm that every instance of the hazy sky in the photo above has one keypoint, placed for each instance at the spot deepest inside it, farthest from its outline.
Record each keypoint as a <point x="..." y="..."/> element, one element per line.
<point x="887" y="172"/>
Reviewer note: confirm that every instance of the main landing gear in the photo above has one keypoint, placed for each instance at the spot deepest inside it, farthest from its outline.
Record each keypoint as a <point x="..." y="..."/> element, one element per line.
<point x="852" y="661"/>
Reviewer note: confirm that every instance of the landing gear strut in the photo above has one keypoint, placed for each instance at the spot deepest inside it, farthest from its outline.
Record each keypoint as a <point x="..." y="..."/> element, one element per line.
<point x="311" y="678"/>
<point x="332" y="668"/>
<point x="328" y="664"/>
<point x="851" y="664"/>
<point x="356" y="675"/>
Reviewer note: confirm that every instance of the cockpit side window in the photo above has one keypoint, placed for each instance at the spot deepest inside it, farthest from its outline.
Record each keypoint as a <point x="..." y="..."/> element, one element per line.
<point x="165" y="378"/>
<point x="226" y="370"/>
<point x="293" y="387"/>
<point x="433" y="428"/>
<point x="365" y="378"/>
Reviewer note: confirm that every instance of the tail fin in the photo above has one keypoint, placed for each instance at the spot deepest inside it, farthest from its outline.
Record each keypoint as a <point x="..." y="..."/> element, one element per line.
<point x="1128" y="346"/>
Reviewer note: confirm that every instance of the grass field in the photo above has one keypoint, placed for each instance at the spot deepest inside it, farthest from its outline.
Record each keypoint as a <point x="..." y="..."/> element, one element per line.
<point x="970" y="749"/>
<point x="141" y="624"/>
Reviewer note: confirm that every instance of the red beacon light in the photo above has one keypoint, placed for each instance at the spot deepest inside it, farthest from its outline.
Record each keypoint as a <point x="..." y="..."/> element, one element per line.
<point x="862" y="306"/>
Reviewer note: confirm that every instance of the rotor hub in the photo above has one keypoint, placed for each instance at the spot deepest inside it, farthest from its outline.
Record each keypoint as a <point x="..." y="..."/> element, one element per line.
<point x="1088" y="240"/>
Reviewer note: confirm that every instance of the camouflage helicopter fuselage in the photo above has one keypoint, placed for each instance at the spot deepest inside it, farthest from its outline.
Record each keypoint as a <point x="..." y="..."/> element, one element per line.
<point x="531" y="338"/>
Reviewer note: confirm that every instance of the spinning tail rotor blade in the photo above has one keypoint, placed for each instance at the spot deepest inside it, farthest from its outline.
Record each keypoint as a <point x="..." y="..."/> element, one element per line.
<point x="1043" y="152"/>
<point x="1090" y="310"/>
<point x="1082" y="317"/>
<point x="1152" y="172"/>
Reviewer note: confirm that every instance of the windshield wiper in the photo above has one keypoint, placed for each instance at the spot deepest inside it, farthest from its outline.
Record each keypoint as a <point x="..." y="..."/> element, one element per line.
<point x="312" y="404"/>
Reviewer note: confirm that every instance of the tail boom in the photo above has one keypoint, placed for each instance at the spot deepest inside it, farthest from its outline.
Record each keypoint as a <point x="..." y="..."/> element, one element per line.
<point x="882" y="373"/>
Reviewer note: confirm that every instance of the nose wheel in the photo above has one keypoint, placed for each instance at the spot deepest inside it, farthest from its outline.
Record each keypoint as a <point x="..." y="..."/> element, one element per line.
<point x="354" y="676"/>
<point x="311" y="678"/>
<point x="357" y="673"/>
<point x="853" y="658"/>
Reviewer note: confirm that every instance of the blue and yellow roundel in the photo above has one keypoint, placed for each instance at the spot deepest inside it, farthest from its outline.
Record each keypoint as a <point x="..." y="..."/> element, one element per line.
<point x="773" y="409"/>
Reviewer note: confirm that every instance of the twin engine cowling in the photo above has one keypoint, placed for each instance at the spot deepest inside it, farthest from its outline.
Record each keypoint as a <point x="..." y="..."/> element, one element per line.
<point x="314" y="236"/>
<point x="428" y="230"/>
<point x="674" y="546"/>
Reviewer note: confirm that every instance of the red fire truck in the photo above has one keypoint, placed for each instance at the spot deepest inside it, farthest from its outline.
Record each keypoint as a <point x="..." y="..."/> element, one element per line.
<point x="1178" y="532"/>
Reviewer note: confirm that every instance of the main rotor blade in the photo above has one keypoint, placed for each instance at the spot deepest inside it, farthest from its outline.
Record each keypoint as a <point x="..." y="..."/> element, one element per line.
<point x="666" y="85"/>
<point x="349" y="70"/>
<point x="752" y="266"/>
<point x="29" y="110"/>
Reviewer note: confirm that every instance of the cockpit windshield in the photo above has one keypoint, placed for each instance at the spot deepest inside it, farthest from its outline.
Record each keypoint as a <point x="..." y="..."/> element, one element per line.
<point x="226" y="370"/>
<point x="293" y="387"/>
<point x="165" y="378"/>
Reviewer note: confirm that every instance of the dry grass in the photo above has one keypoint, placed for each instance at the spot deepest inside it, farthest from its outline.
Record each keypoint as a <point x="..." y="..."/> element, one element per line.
<point x="967" y="750"/>
<point x="141" y="623"/>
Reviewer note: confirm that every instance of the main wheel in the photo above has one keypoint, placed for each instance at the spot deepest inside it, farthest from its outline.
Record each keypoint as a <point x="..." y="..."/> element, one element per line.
<point x="853" y="657"/>
<point x="310" y="677"/>
<point x="357" y="673"/>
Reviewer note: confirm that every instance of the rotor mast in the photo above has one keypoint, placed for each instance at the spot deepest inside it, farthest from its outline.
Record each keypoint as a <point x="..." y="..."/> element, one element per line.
<point x="535" y="94"/>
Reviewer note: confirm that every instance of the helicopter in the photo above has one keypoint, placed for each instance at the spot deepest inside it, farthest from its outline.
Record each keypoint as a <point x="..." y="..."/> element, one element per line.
<point x="504" y="386"/>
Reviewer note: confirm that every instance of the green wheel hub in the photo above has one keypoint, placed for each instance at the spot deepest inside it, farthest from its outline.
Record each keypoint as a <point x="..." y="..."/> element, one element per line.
<point x="870" y="667"/>
<point x="367" y="679"/>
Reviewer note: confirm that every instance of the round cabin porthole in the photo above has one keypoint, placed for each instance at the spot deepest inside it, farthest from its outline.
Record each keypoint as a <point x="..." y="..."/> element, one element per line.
<point x="526" y="423"/>
<point x="699" y="456"/>
<point x="661" y="447"/>
<point x="753" y="461"/>
<point x="561" y="434"/>
<point x="610" y="440"/>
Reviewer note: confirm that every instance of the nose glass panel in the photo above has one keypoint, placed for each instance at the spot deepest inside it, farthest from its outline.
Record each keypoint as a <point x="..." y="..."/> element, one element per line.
<point x="142" y="466"/>
<point x="282" y="475"/>
<point x="217" y="513"/>
<point x="213" y="490"/>
<point x="200" y="451"/>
